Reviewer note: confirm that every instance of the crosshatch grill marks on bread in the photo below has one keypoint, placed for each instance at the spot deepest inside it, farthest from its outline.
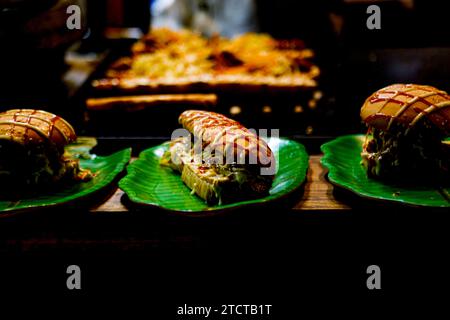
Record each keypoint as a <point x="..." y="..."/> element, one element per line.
<point x="34" y="126"/>
<point x="212" y="171"/>
<point x="407" y="104"/>
<point x="218" y="131"/>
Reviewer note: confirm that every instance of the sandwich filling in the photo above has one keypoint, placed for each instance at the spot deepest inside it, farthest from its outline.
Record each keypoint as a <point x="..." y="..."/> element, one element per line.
<point x="32" y="151"/>
<point x="41" y="164"/>
<point x="215" y="182"/>
<point x="410" y="152"/>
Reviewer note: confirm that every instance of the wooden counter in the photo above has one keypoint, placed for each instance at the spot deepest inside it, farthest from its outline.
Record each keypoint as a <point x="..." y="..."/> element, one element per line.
<point x="317" y="195"/>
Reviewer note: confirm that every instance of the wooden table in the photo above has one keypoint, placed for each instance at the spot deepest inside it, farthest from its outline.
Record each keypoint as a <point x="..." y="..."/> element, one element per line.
<point x="317" y="195"/>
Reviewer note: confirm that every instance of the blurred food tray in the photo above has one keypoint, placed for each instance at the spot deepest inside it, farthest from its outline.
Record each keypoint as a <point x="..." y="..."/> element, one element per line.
<point x="168" y="61"/>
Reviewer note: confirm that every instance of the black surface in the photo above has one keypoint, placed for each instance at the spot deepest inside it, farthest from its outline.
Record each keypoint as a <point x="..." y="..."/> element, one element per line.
<point x="296" y="262"/>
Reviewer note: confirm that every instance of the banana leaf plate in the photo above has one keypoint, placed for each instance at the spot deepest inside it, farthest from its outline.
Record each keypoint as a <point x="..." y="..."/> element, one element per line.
<point x="150" y="184"/>
<point x="342" y="158"/>
<point x="105" y="169"/>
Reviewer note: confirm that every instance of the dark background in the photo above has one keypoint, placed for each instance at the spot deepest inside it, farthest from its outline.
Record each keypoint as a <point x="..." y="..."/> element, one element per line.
<point x="412" y="47"/>
<point x="293" y="260"/>
<point x="299" y="262"/>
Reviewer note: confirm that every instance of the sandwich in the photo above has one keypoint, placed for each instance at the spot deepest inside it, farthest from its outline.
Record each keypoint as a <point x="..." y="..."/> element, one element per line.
<point x="220" y="160"/>
<point x="408" y="130"/>
<point x="32" y="152"/>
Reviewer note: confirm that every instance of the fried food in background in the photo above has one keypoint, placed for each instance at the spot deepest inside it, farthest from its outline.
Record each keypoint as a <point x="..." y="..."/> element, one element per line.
<point x="183" y="56"/>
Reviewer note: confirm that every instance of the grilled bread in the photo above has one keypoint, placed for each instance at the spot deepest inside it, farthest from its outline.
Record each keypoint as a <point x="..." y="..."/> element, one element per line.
<point x="408" y="125"/>
<point x="226" y="162"/>
<point x="32" y="150"/>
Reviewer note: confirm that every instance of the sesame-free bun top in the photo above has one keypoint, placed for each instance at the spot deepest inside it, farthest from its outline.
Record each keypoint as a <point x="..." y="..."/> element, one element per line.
<point x="29" y="126"/>
<point x="407" y="104"/>
<point x="217" y="130"/>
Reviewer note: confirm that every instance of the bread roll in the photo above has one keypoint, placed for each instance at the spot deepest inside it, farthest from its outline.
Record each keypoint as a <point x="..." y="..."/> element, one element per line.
<point x="28" y="126"/>
<point x="407" y="104"/>
<point x="232" y="163"/>
<point x="32" y="152"/>
<point x="220" y="132"/>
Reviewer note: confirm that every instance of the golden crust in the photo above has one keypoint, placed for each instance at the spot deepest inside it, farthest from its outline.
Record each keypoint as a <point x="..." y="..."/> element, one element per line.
<point x="226" y="135"/>
<point x="28" y="126"/>
<point x="407" y="104"/>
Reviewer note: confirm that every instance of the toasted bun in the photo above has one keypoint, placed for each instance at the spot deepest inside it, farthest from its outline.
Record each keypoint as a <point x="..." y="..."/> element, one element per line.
<point x="217" y="130"/>
<point x="407" y="104"/>
<point x="28" y="126"/>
